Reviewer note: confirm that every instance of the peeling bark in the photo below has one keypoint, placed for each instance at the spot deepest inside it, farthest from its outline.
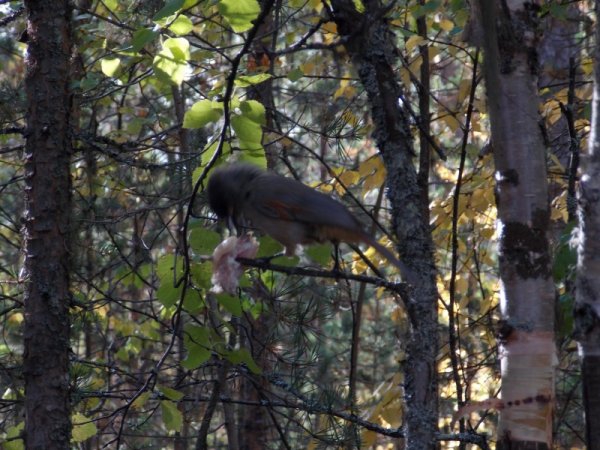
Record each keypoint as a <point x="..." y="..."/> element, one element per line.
<point x="527" y="349"/>
<point x="587" y="305"/>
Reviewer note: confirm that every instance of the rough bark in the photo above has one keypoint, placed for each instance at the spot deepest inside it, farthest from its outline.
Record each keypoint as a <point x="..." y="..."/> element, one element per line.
<point x="255" y="424"/>
<point x="587" y="306"/>
<point x="369" y="42"/>
<point x="527" y="350"/>
<point x="48" y="205"/>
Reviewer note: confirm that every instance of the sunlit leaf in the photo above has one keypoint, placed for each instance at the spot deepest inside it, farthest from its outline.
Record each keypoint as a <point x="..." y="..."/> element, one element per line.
<point x="181" y="25"/>
<point x="254" y="111"/>
<point x="83" y="428"/>
<point x="202" y="113"/>
<point x="239" y="13"/>
<point x="251" y="80"/>
<point x="247" y="130"/>
<point x="110" y="66"/>
<point x="170" y="64"/>
<point x="11" y="443"/>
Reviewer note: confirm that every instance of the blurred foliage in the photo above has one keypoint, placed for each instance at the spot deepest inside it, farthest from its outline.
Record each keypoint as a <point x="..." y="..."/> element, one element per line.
<point x="162" y="92"/>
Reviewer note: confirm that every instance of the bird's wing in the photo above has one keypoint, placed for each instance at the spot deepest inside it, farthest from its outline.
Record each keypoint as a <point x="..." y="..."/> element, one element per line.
<point x="286" y="199"/>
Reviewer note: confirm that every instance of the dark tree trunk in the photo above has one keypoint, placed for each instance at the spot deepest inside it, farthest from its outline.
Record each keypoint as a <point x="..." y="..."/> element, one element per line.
<point x="48" y="206"/>
<point x="371" y="47"/>
<point x="587" y="306"/>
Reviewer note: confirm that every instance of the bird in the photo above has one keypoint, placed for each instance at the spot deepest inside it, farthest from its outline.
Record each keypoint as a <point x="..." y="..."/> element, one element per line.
<point x="292" y="213"/>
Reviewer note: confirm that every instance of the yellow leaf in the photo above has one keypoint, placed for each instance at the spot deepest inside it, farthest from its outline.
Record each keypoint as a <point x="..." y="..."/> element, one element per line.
<point x="405" y="76"/>
<point x="368" y="438"/>
<point x="415" y="66"/>
<point x="432" y="53"/>
<point x="307" y="68"/>
<point x="446" y="25"/>
<point x="452" y="122"/>
<point x="464" y="88"/>
<point x="83" y="428"/>
<point x="139" y="402"/>
<point x="350" y="118"/>
<point x="330" y="27"/>
<point x="349" y="177"/>
<point x="461" y="286"/>
<point x="109" y="66"/>
<point x="16" y="318"/>
<point x="414" y="41"/>
<point x="587" y="65"/>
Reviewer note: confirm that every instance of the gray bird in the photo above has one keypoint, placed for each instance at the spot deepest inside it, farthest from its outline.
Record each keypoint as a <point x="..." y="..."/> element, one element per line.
<point x="285" y="209"/>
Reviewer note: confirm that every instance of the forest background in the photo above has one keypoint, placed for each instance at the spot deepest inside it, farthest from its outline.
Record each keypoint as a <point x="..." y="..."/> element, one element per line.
<point x="458" y="132"/>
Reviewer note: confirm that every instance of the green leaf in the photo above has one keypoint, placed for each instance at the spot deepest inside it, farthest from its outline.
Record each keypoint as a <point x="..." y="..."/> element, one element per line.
<point x="247" y="131"/>
<point x="268" y="247"/>
<point x="239" y="13"/>
<point x="198" y="345"/>
<point x="287" y="261"/>
<point x="193" y="302"/>
<point x="207" y="154"/>
<point x="203" y="241"/>
<point x="172" y="417"/>
<point x="232" y="304"/>
<point x="170" y="65"/>
<point x="202" y="113"/>
<point x="196" y="356"/>
<point x="168" y="274"/>
<point x="253" y="154"/>
<point x="295" y="74"/>
<point x="141" y="37"/>
<point x="168" y="294"/>
<point x="181" y="25"/>
<point x="250" y="80"/>
<point x="179" y="47"/>
<point x="12" y="433"/>
<point x="195" y="334"/>
<point x="254" y="111"/>
<point x="171" y="394"/>
<point x="109" y="66"/>
<point x="140" y="402"/>
<point x="170" y="8"/>
<point x="243" y="356"/>
<point x="112" y="5"/>
<point x="83" y="428"/>
<point x="321" y="253"/>
<point x="202" y="274"/>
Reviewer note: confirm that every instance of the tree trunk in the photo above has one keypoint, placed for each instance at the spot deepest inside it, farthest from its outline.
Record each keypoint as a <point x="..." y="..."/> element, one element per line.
<point x="47" y="221"/>
<point x="527" y="349"/>
<point x="587" y="305"/>
<point x="369" y="43"/>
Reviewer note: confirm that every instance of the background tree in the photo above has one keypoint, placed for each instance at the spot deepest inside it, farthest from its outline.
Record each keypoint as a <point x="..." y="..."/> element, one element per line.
<point x="47" y="261"/>
<point x="342" y="96"/>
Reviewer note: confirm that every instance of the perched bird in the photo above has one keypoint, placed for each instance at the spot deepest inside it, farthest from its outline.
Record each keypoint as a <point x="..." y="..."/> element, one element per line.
<point x="287" y="210"/>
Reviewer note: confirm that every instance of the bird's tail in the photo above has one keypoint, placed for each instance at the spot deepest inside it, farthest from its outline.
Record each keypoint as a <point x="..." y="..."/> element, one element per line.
<point x="407" y="274"/>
